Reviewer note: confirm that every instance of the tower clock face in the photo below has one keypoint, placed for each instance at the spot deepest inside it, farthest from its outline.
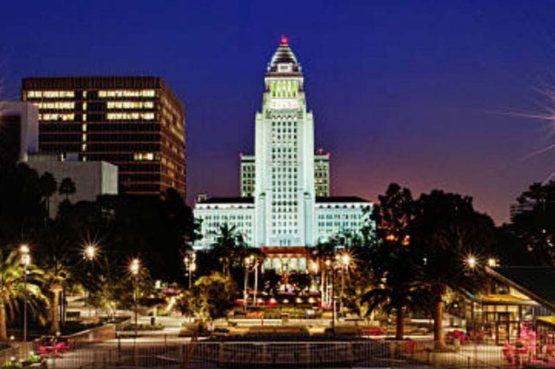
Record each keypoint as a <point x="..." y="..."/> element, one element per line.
<point x="282" y="104"/>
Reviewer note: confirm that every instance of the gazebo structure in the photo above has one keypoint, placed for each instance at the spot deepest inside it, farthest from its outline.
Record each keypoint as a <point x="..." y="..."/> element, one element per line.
<point x="517" y="297"/>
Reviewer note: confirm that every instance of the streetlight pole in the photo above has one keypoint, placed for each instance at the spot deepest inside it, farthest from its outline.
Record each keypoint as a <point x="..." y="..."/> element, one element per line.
<point x="25" y="261"/>
<point x="190" y="264"/>
<point x="345" y="260"/>
<point x="246" y="284"/>
<point x="256" y="265"/>
<point x="333" y="298"/>
<point x="134" y="268"/>
<point x="90" y="252"/>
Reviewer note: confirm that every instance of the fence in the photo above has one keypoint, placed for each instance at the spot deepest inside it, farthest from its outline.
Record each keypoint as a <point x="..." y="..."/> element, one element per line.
<point x="304" y="354"/>
<point x="16" y="351"/>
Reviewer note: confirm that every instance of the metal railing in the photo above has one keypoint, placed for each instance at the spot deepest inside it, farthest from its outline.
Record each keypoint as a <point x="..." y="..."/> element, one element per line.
<point x="303" y="354"/>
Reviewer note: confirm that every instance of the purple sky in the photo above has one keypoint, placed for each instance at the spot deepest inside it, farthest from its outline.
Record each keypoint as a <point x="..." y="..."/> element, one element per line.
<point x="402" y="91"/>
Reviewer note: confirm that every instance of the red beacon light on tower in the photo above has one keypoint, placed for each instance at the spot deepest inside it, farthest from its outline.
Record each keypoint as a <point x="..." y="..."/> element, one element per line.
<point x="284" y="40"/>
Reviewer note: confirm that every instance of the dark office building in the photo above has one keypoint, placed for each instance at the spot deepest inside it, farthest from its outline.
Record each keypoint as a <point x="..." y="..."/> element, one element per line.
<point x="136" y="123"/>
<point x="18" y="131"/>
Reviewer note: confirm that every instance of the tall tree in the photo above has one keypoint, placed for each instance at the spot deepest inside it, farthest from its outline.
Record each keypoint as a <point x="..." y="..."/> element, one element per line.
<point x="67" y="187"/>
<point x="57" y="256"/>
<point x="394" y="266"/>
<point x="21" y="210"/>
<point x="445" y="231"/>
<point x="533" y="226"/>
<point x="48" y="187"/>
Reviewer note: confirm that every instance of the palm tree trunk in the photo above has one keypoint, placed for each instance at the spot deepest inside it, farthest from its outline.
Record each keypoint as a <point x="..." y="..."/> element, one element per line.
<point x="323" y="295"/>
<point x="3" y="322"/>
<point x="438" y="324"/>
<point x="55" y="307"/>
<point x="400" y="324"/>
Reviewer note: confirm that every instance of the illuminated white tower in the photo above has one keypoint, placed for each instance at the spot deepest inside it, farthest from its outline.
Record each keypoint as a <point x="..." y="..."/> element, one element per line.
<point x="284" y="193"/>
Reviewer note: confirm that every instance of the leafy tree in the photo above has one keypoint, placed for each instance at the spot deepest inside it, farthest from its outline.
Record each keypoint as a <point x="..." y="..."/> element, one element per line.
<point x="21" y="209"/>
<point x="444" y="232"/>
<point x="154" y="228"/>
<point x="394" y="266"/>
<point x="301" y="281"/>
<point x="12" y="288"/>
<point x="67" y="187"/>
<point x="393" y="215"/>
<point x="533" y="225"/>
<point x="270" y="281"/>
<point x="211" y="297"/>
<point x="359" y="285"/>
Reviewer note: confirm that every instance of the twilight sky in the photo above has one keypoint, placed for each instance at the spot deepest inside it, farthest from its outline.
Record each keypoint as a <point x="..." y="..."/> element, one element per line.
<point x="405" y="91"/>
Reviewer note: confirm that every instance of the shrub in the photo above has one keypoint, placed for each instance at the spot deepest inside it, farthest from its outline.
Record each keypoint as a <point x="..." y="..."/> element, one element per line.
<point x="12" y="365"/>
<point x="143" y="327"/>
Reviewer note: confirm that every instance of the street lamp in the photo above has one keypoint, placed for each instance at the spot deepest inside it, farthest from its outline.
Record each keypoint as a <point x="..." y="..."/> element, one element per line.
<point x="248" y="262"/>
<point x="25" y="261"/>
<point x="492" y="263"/>
<point x="90" y="252"/>
<point x="190" y="264"/>
<point x="471" y="261"/>
<point x="344" y="261"/>
<point x="135" y="268"/>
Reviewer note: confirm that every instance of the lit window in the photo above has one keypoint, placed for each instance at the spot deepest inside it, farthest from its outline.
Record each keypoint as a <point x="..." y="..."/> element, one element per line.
<point x="141" y="156"/>
<point x="55" y="105"/>
<point x="55" y="116"/>
<point x="126" y="93"/>
<point x="130" y="116"/>
<point x="130" y="104"/>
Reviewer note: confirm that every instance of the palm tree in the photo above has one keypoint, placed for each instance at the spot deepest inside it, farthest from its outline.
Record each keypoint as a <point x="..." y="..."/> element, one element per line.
<point x="55" y="277"/>
<point x="322" y="252"/>
<point x="229" y="247"/>
<point x="445" y="231"/>
<point x="13" y="288"/>
<point x="57" y="256"/>
<point x="48" y="186"/>
<point x="67" y="187"/>
<point x="398" y="288"/>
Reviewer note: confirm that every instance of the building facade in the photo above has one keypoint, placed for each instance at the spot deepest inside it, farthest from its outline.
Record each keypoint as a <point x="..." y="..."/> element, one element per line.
<point x="91" y="178"/>
<point x="18" y="131"/>
<point x="136" y="123"/>
<point x="285" y="201"/>
<point x="247" y="175"/>
<point x="321" y="174"/>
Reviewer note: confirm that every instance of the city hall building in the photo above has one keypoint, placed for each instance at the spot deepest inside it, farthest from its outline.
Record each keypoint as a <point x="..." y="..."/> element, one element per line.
<point x="285" y="202"/>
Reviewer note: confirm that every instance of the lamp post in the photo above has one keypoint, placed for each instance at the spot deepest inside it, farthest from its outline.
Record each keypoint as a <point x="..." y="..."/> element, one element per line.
<point x="327" y="276"/>
<point x="248" y="262"/>
<point x="25" y="261"/>
<point x="344" y="261"/>
<point x="190" y="264"/>
<point x="333" y="306"/>
<point x="256" y="266"/>
<point x="135" y="268"/>
<point x="90" y="252"/>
